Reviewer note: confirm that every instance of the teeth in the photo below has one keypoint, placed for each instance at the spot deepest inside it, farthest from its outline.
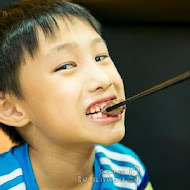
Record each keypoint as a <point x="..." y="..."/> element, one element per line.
<point x="95" y="116"/>
<point x="92" y="110"/>
<point x="103" y="105"/>
<point x="97" y="109"/>
<point x="99" y="114"/>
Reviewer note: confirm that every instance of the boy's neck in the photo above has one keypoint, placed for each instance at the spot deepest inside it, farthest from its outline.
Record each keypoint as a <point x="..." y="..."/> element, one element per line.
<point x="57" y="170"/>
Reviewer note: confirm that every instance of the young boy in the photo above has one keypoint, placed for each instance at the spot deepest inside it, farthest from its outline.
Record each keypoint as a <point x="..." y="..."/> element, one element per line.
<point x="55" y="76"/>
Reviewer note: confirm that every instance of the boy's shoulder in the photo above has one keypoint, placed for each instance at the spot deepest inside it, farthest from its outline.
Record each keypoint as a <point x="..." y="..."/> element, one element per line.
<point x="11" y="174"/>
<point x="122" y="164"/>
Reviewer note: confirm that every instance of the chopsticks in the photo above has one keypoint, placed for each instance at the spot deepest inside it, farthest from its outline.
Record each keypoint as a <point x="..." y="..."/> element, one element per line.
<point x="173" y="81"/>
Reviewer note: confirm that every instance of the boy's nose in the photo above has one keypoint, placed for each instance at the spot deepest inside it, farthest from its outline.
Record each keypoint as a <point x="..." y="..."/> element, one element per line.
<point x="98" y="79"/>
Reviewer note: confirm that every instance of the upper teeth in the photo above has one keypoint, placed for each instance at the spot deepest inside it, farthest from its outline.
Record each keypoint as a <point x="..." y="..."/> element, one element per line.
<point x="93" y="110"/>
<point x="96" y="109"/>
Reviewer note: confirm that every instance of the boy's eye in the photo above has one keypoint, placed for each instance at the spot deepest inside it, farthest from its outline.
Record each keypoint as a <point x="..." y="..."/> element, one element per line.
<point x="66" y="66"/>
<point x="100" y="57"/>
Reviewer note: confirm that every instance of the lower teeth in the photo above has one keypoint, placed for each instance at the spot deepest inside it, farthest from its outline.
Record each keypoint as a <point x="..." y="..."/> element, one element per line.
<point x="97" y="115"/>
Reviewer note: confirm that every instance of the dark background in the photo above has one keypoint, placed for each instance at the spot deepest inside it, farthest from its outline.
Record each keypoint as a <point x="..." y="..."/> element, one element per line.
<point x="149" y="42"/>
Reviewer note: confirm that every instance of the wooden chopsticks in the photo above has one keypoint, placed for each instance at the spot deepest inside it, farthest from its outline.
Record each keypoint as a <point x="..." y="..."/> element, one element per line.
<point x="154" y="89"/>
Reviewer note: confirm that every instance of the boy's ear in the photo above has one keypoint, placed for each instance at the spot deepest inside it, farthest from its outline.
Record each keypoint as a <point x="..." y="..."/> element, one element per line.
<point x="11" y="113"/>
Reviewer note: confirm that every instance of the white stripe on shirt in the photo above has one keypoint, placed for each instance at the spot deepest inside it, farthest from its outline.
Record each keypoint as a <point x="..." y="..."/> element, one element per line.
<point x="117" y="169"/>
<point x="121" y="157"/>
<point x="20" y="186"/>
<point x="10" y="176"/>
<point x="121" y="170"/>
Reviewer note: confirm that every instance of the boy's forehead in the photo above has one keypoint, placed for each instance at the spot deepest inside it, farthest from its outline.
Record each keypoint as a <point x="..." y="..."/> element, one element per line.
<point x="65" y="28"/>
<point x="68" y="33"/>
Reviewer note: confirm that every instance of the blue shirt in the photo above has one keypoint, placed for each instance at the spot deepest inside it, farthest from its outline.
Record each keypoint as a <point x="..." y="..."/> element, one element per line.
<point x="116" y="167"/>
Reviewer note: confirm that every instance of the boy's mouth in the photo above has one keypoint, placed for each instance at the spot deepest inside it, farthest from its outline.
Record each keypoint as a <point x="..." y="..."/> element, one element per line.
<point x="94" y="111"/>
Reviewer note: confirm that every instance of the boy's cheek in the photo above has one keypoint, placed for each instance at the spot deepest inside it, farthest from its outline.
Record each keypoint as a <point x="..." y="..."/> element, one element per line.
<point x="116" y="77"/>
<point x="118" y="81"/>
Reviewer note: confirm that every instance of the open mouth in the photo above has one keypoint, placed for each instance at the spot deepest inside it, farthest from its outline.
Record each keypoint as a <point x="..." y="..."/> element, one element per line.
<point x="97" y="112"/>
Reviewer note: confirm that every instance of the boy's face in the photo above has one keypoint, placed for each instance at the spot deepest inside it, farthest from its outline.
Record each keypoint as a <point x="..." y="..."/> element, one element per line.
<point x="69" y="73"/>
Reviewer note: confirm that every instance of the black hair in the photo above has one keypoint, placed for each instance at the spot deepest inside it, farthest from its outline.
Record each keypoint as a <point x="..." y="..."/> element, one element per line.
<point x="18" y="35"/>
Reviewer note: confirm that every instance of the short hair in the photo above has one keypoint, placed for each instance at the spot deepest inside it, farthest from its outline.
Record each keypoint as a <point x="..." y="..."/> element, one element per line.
<point x="18" y="35"/>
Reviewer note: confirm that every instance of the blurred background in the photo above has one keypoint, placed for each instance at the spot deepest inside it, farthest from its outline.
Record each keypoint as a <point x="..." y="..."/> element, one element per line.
<point x="149" y="41"/>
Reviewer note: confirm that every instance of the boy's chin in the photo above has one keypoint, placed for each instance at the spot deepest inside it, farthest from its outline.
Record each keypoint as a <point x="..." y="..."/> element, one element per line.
<point x="110" y="139"/>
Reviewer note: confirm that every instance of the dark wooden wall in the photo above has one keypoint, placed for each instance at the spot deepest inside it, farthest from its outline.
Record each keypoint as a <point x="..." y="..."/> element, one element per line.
<point x="157" y="126"/>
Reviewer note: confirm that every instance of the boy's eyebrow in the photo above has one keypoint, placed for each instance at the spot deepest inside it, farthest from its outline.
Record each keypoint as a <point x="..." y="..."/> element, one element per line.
<point x="65" y="45"/>
<point x="98" y="40"/>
